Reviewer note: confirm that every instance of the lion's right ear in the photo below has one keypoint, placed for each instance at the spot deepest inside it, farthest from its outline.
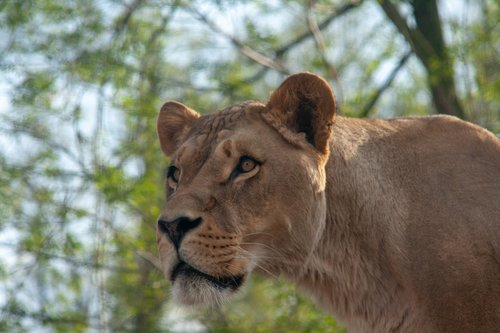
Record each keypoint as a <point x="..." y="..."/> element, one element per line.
<point x="174" y="121"/>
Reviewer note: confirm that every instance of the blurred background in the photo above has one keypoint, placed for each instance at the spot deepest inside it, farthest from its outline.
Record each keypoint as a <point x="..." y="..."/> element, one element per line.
<point x="81" y="172"/>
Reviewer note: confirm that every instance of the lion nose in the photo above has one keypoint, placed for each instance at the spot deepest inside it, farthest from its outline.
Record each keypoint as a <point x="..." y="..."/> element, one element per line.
<point x="177" y="229"/>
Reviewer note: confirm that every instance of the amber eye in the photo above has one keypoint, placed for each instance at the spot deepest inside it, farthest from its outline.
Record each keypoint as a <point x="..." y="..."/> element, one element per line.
<point x="173" y="173"/>
<point x="246" y="164"/>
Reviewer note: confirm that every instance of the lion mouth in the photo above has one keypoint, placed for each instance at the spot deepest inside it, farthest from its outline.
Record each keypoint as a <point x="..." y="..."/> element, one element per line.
<point x="230" y="282"/>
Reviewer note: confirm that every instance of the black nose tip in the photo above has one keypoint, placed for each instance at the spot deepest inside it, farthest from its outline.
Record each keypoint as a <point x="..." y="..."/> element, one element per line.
<point x="177" y="228"/>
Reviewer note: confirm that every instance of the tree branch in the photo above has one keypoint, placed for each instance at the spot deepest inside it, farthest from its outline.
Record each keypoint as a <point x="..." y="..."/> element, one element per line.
<point x="45" y="318"/>
<point x="306" y="35"/>
<point x="127" y="15"/>
<point x="71" y="260"/>
<point x="417" y="42"/>
<point x="321" y="26"/>
<point x="320" y="44"/>
<point x="375" y="97"/>
<point x="244" y="49"/>
<point x="426" y="41"/>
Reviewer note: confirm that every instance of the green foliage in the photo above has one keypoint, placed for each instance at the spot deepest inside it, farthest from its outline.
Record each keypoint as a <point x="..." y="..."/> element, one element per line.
<point x="280" y="309"/>
<point x="81" y="172"/>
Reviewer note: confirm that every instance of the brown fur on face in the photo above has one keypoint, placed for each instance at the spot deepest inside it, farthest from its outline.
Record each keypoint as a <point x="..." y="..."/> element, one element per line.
<point x="391" y="225"/>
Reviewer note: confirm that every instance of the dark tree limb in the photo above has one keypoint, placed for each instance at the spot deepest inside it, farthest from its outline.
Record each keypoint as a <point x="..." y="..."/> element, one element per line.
<point x="426" y="40"/>
<point x="72" y="260"/>
<point x="124" y="19"/>
<point x="320" y="43"/>
<point x="45" y="318"/>
<point x="441" y="78"/>
<point x="321" y="26"/>
<point x="309" y="33"/>
<point x="387" y="83"/>
<point x="242" y="47"/>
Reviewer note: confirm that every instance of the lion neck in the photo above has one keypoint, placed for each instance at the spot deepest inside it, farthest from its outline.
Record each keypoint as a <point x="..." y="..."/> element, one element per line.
<point x="349" y="272"/>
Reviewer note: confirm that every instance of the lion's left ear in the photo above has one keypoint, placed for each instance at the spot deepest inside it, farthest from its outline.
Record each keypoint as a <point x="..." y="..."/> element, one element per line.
<point x="305" y="103"/>
<point x="174" y="121"/>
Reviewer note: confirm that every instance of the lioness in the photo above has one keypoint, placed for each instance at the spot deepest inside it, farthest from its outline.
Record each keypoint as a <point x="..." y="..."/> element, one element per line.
<point x="391" y="225"/>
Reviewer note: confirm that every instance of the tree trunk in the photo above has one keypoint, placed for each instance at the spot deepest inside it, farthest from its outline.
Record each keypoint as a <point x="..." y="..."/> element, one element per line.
<point x="427" y="41"/>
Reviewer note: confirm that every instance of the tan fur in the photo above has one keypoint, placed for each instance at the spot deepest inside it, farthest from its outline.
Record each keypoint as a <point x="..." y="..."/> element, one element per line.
<point x="173" y="123"/>
<point x="390" y="225"/>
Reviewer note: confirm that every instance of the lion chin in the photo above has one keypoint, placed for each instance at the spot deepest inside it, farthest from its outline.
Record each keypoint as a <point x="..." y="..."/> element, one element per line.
<point x="193" y="287"/>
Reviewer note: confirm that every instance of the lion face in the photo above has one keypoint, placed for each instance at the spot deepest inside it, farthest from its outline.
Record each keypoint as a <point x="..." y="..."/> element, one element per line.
<point x="244" y="193"/>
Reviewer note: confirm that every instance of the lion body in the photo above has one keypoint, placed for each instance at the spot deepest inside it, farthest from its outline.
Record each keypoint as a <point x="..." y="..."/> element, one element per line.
<point x="412" y="239"/>
<point x="390" y="225"/>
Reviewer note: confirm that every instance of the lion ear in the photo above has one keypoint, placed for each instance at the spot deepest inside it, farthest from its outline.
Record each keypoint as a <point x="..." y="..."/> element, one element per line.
<point x="305" y="103"/>
<point x="174" y="120"/>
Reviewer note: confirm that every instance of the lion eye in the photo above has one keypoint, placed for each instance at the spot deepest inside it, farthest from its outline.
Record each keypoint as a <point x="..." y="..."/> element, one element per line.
<point x="247" y="164"/>
<point x="173" y="173"/>
<point x="247" y="167"/>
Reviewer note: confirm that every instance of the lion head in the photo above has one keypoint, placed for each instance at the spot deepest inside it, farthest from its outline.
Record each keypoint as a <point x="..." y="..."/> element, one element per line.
<point x="245" y="189"/>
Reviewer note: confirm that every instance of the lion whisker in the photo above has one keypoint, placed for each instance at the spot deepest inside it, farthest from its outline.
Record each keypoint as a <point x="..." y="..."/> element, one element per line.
<point x="260" y="233"/>
<point x="261" y="244"/>
<point x="277" y="255"/>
